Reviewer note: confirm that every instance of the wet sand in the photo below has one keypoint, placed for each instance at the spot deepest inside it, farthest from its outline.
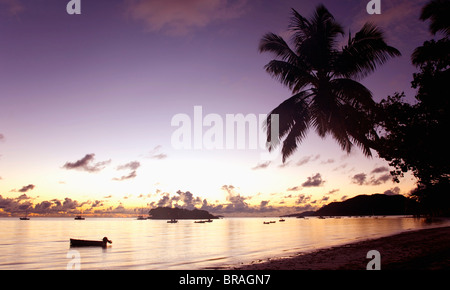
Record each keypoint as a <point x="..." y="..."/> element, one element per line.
<point x="427" y="249"/>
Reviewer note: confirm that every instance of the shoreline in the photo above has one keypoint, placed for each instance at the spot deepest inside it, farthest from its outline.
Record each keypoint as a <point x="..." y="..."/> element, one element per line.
<point x="425" y="249"/>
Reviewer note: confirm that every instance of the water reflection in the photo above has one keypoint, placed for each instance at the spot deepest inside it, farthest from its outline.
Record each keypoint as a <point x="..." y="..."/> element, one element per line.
<point x="43" y="243"/>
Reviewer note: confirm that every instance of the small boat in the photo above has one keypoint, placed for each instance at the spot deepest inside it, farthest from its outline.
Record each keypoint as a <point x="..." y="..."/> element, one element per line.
<point x="209" y="221"/>
<point x="266" y="223"/>
<point x="272" y="222"/>
<point x="79" y="218"/>
<point x="25" y="218"/>
<point x="172" y="221"/>
<point x="87" y="243"/>
<point x="282" y="220"/>
<point x="199" y="222"/>
<point x="141" y="217"/>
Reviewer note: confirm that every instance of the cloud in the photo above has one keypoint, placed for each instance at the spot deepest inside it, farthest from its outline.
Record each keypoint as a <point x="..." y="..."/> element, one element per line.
<point x="333" y="191"/>
<point x="87" y="164"/>
<point x="261" y="165"/>
<point x="133" y="166"/>
<point x="22" y="204"/>
<point x="13" y="205"/>
<point x="314" y="181"/>
<point x="155" y="154"/>
<point x="380" y="169"/>
<point x="308" y="159"/>
<point x="328" y="161"/>
<point x="132" y="175"/>
<point x="295" y="188"/>
<point x="2" y="137"/>
<point x="228" y="188"/>
<point x="359" y="178"/>
<point x="12" y="7"/>
<point x="393" y="191"/>
<point x="179" y="17"/>
<point x="302" y="199"/>
<point x="27" y="188"/>
<point x="381" y="179"/>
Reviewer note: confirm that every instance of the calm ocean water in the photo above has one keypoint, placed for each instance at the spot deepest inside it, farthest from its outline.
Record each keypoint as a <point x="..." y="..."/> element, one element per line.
<point x="43" y="243"/>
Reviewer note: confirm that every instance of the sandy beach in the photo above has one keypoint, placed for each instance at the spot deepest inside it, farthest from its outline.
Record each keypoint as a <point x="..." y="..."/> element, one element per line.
<point x="427" y="249"/>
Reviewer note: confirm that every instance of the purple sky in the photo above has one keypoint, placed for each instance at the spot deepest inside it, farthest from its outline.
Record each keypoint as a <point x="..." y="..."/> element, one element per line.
<point x="101" y="89"/>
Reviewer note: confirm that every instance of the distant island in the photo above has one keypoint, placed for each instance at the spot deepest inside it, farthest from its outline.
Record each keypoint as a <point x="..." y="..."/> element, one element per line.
<point x="363" y="205"/>
<point x="164" y="213"/>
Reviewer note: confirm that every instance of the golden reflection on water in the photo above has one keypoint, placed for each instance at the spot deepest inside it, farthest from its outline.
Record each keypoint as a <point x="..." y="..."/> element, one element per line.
<point x="43" y="243"/>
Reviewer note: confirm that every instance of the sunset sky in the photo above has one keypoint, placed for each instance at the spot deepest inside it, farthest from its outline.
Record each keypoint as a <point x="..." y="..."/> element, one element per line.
<point x="86" y="103"/>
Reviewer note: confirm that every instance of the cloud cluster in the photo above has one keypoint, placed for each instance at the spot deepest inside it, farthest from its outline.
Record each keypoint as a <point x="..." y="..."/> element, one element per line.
<point x="314" y="181"/>
<point x="263" y="165"/>
<point x="87" y="164"/>
<point x="23" y="203"/>
<point x="12" y="7"/>
<point x="374" y="179"/>
<point x="133" y="166"/>
<point x="27" y="188"/>
<point x="179" y="17"/>
<point x="307" y="159"/>
<point x="156" y="153"/>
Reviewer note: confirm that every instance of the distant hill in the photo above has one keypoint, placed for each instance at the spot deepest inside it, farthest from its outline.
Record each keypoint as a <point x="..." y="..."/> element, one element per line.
<point x="375" y="204"/>
<point x="179" y="213"/>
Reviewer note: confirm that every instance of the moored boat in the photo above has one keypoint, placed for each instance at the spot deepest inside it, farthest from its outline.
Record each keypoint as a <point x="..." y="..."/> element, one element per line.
<point x="172" y="221"/>
<point x="89" y="243"/>
<point x="79" y="218"/>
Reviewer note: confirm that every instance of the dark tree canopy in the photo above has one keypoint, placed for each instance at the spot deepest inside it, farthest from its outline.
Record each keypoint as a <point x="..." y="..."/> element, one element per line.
<point x="415" y="136"/>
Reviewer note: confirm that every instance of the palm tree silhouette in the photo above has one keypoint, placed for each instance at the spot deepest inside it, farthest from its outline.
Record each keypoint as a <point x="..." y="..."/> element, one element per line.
<point x="324" y="81"/>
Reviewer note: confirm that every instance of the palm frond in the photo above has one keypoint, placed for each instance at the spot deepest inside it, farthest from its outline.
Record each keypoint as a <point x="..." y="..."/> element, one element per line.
<point x="363" y="53"/>
<point x="294" y="77"/>
<point x="278" y="46"/>
<point x="438" y="12"/>
<point x="290" y="113"/>
<point x="352" y="92"/>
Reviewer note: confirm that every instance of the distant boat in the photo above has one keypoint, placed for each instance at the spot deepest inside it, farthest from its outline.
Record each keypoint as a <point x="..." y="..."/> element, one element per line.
<point x="272" y="222"/>
<point x="282" y="220"/>
<point x="141" y="217"/>
<point x="321" y="217"/>
<point x="266" y="223"/>
<point x="25" y="218"/>
<point x="172" y="221"/>
<point x="203" y="221"/>
<point x="87" y="243"/>
<point x="79" y="218"/>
